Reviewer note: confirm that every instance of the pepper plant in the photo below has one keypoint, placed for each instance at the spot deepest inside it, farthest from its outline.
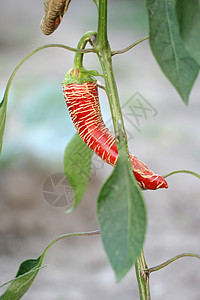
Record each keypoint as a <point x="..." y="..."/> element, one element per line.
<point x="121" y="209"/>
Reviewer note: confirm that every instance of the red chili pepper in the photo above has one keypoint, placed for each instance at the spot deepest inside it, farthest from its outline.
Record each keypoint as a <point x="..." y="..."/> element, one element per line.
<point x="83" y="105"/>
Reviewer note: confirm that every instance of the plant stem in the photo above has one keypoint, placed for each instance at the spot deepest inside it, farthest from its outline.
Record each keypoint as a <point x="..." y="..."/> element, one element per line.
<point x="87" y="233"/>
<point x="169" y="261"/>
<point x="129" y="47"/>
<point x="104" y="53"/>
<point x="78" y="59"/>
<point x="80" y="51"/>
<point x="183" y="171"/>
<point x="103" y="50"/>
<point x="102" y="23"/>
<point x="143" y="273"/>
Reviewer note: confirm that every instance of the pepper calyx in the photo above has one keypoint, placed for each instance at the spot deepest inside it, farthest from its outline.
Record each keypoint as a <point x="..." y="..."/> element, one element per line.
<point x="79" y="75"/>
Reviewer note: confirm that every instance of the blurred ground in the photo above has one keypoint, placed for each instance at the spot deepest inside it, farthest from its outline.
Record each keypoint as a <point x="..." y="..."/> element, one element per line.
<point x="37" y="131"/>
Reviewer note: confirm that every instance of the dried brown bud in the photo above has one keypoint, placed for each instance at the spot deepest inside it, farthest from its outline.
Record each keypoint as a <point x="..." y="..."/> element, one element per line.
<point x="53" y="13"/>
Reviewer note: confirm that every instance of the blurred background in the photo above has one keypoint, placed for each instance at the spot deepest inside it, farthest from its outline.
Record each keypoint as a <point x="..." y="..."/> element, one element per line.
<point x="38" y="129"/>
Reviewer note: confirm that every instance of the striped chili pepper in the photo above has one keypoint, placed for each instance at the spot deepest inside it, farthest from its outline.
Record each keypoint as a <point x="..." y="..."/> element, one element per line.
<point x="83" y="105"/>
<point x="81" y="94"/>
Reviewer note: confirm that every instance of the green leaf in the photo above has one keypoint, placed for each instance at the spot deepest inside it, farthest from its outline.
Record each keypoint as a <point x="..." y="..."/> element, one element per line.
<point x="77" y="167"/>
<point x="93" y="73"/>
<point x="168" y="48"/>
<point x="29" y="269"/>
<point x="189" y="22"/>
<point x="24" y="278"/>
<point x="122" y="217"/>
<point x="96" y="2"/>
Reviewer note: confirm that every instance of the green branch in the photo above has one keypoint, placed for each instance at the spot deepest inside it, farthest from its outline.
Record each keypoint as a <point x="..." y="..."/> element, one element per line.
<point x="163" y="265"/>
<point x="183" y="171"/>
<point x="79" y="234"/>
<point x="129" y="47"/>
<point x="37" y="50"/>
<point x="3" y="104"/>
<point x="78" y="59"/>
